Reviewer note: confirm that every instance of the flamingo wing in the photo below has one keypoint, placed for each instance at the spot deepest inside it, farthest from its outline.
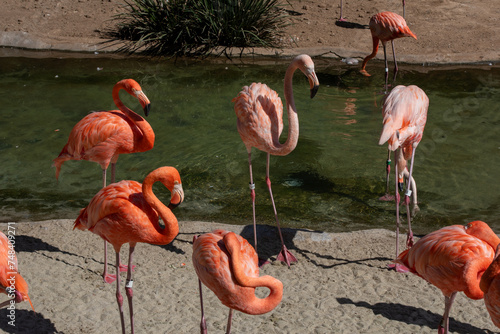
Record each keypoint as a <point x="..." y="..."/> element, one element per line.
<point x="260" y="116"/>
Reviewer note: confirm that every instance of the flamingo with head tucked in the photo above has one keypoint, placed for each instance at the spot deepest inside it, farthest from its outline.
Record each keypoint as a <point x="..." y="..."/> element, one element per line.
<point x="127" y="212"/>
<point x="228" y="265"/>
<point x="405" y="115"/>
<point x="11" y="281"/>
<point x="260" y="122"/>
<point x="453" y="259"/>
<point x="102" y="136"/>
<point x="385" y="27"/>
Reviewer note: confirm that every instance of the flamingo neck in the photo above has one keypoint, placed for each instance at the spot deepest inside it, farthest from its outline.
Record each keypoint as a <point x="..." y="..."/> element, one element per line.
<point x="167" y="234"/>
<point x="253" y="305"/>
<point x="147" y="138"/>
<point x="490" y="273"/>
<point x="293" y="119"/>
<point x="375" y="41"/>
<point x="473" y="273"/>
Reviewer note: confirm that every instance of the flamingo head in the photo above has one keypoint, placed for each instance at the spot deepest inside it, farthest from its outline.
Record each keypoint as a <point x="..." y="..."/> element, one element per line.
<point x="133" y="88"/>
<point x="306" y="65"/>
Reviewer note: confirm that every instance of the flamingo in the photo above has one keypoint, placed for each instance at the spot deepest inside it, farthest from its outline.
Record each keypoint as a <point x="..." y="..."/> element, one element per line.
<point x="260" y="122"/>
<point x="11" y="281"/>
<point x="490" y="285"/>
<point x="342" y="19"/>
<point x="102" y="136"/>
<point x="126" y="212"/>
<point x="405" y="115"/>
<point x="453" y="259"/>
<point x="384" y="27"/>
<point x="228" y="265"/>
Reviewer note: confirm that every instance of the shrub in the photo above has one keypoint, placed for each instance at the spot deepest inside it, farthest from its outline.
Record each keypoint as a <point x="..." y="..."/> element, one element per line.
<point x="198" y="27"/>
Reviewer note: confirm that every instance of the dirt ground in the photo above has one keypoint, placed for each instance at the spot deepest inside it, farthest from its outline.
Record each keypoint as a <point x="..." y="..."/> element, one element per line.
<point x="448" y="31"/>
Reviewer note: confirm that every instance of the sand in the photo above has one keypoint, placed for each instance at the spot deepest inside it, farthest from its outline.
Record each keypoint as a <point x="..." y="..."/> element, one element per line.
<point x="340" y="285"/>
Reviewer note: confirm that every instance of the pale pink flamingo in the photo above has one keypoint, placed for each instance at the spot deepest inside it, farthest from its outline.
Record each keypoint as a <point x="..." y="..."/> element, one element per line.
<point x="453" y="259"/>
<point x="228" y="265"/>
<point x="102" y="136"/>
<point x="405" y="115"/>
<point x="11" y="281"/>
<point x="490" y="285"/>
<point x="260" y="123"/>
<point x="127" y="212"/>
<point x="384" y="27"/>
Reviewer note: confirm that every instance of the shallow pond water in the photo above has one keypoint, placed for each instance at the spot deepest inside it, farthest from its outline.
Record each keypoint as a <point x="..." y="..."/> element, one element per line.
<point x="330" y="182"/>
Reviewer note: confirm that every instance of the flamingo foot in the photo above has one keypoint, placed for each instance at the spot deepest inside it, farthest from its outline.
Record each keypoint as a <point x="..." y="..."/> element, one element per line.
<point x="387" y="198"/>
<point x="109" y="278"/>
<point x="124" y="268"/>
<point x="366" y="74"/>
<point x="286" y="256"/>
<point x="409" y="240"/>
<point x="398" y="267"/>
<point x="341" y="19"/>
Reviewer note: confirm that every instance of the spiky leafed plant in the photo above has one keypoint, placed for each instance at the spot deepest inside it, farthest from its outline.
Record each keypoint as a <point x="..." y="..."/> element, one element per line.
<point x="198" y="27"/>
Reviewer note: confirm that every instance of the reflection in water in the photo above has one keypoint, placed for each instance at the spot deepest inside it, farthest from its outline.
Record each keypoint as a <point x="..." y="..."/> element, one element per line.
<point x="331" y="181"/>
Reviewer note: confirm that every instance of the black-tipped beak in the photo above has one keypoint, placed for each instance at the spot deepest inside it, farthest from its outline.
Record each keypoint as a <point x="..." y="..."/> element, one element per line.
<point x="172" y="206"/>
<point x="147" y="107"/>
<point x="401" y="186"/>
<point x="314" y="90"/>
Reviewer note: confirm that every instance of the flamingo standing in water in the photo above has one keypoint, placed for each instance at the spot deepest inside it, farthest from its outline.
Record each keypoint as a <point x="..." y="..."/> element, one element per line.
<point x="102" y="136"/>
<point x="228" y="265"/>
<point x="490" y="285"/>
<point x="384" y="27"/>
<point x="260" y="123"/>
<point x="11" y="281"/>
<point x="126" y="212"/>
<point x="405" y="115"/>
<point x="453" y="259"/>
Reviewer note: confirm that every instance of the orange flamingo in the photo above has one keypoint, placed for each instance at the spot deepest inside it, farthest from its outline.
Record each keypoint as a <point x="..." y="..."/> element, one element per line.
<point x="260" y="123"/>
<point x="11" y="281"/>
<point x="102" y="136"/>
<point x="453" y="259"/>
<point x="342" y="18"/>
<point x="126" y="212"/>
<point x="386" y="26"/>
<point x="228" y="265"/>
<point x="490" y="285"/>
<point x="405" y="115"/>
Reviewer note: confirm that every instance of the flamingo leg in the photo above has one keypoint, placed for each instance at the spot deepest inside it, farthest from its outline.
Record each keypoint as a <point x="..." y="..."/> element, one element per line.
<point x="387" y="196"/>
<point x="395" y="62"/>
<point x="444" y="324"/>
<point x="409" y="239"/>
<point x="113" y="171"/>
<point x="119" y="297"/>
<point x="108" y="278"/>
<point x="128" y="287"/>
<point x="229" y="320"/>
<point x="404" y="10"/>
<point x="341" y="18"/>
<point x="252" y="194"/>
<point x="203" y="323"/>
<point x="284" y="255"/>
<point x="386" y="71"/>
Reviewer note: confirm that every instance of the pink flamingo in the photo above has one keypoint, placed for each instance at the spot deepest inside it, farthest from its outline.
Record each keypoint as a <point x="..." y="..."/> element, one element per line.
<point x="453" y="259"/>
<point x="228" y="265"/>
<point x="405" y="115"/>
<point x="490" y="285"/>
<point x="260" y="123"/>
<point x="126" y="212"/>
<point x="11" y="281"/>
<point x="102" y="136"/>
<point x="384" y="27"/>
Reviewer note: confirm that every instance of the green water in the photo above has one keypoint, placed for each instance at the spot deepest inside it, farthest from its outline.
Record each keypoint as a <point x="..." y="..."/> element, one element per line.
<point x="330" y="182"/>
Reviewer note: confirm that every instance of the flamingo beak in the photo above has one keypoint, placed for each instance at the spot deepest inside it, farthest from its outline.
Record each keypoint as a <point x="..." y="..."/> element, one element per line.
<point x="401" y="184"/>
<point x="177" y="196"/>
<point x="314" y="83"/>
<point x="147" y="108"/>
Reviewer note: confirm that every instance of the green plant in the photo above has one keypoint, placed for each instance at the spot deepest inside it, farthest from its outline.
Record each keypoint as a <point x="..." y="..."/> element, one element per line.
<point x="198" y="27"/>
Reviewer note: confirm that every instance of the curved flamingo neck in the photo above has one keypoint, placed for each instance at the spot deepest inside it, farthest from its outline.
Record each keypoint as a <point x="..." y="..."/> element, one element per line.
<point x="375" y="41"/>
<point x="167" y="234"/>
<point x="293" y="119"/>
<point x="473" y="276"/>
<point x="254" y="305"/>
<point x="146" y="142"/>
<point x="490" y="273"/>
